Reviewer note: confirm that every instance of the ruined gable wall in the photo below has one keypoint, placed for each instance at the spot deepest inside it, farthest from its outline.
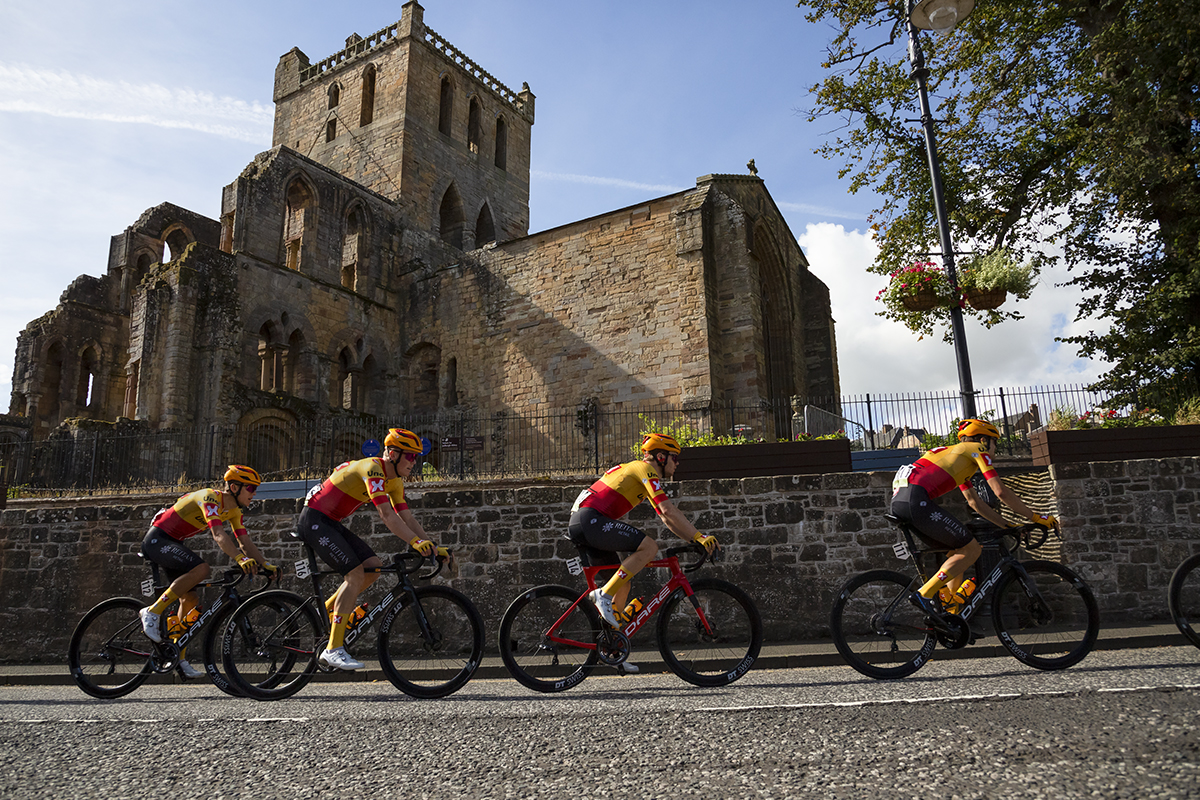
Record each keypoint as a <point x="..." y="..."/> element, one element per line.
<point x="605" y="307"/>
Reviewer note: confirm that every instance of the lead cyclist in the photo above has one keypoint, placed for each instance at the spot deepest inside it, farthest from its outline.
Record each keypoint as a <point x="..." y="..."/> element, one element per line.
<point x="934" y="474"/>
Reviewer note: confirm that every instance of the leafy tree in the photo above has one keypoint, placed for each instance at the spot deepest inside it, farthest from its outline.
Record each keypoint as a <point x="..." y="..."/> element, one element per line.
<point x="1062" y="124"/>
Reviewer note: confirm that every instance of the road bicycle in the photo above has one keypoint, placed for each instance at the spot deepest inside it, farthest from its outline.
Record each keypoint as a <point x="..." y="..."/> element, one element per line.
<point x="1183" y="598"/>
<point x="110" y="654"/>
<point x="430" y="639"/>
<point x="1043" y="613"/>
<point x="709" y="631"/>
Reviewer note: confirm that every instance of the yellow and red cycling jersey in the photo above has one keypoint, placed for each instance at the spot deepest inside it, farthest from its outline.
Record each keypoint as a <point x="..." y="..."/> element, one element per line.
<point x="194" y="512"/>
<point x="623" y="487"/>
<point x="943" y="468"/>
<point x="354" y="483"/>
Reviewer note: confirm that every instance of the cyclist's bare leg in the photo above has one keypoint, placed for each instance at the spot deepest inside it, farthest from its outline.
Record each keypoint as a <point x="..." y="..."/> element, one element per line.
<point x="181" y="588"/>
<point x="952" y="569"/>
<point x="632" y="565"/>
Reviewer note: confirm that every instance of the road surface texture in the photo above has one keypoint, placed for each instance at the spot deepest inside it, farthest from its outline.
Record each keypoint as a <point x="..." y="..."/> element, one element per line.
<point x="1120" y="724"/>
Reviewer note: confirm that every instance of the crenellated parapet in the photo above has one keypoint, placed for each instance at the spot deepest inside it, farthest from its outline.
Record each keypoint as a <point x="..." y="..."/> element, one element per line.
<point x="521" y="103"/>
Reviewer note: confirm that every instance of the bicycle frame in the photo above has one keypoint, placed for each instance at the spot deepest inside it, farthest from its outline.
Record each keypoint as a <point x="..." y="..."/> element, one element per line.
<point x="678" y="581"/>
<point x="1007" y="561"/>
<point x="308" y="567"/>
<point x="228" y="583"/>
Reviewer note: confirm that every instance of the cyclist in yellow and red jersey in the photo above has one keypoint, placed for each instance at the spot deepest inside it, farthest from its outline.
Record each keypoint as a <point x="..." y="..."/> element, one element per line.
<point x="934" y="474"/>
<point x="379" y="481"/>
<point x="209" y="509"/>
<point x="597" y="530"/>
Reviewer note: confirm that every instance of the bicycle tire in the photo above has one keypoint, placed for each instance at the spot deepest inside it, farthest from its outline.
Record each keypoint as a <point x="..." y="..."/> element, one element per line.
<point x="876" y="629"/>
<point x="270" y="646"/>
<point x="109" y="655"/>
<point x="1054" y="632"/>
<point x="719" y="650"/>
<point x="531" y="658"/>
<point x="1183" y="598"/>
<point x="441" y="663"/>
<point x="212" y="651"/>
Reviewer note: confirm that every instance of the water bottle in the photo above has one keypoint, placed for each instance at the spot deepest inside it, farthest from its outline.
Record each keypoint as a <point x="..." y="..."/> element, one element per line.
<point x="967" y="588"/>
<point x="631" y="610"/>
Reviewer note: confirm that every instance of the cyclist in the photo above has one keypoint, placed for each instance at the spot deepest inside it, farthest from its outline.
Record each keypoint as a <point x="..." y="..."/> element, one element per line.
<point x="596" y="528"/>
<point x="379" y="481"/>
<point x="918" y="485"/>
<point x="192" y="513"/>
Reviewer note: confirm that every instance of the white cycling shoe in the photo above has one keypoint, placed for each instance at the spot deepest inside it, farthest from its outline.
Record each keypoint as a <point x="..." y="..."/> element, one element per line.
<point x="625" y="668"/>
<point x="340" y="659"/>
<point x="603" y="604"/>
<point x="189" y="671"/>
<point x="151" y="625"/>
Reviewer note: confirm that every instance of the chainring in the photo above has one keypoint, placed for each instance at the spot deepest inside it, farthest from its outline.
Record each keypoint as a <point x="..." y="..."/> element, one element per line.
<point x="957" y="634"/>
<point x="612" y="647"/>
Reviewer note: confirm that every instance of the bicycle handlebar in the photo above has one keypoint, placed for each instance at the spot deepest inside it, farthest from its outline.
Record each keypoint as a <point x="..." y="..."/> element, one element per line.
<point x="409" y="562"/>
<point x="697" y="549"/>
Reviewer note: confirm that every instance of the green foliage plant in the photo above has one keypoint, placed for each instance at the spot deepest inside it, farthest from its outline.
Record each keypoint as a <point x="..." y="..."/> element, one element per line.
<point x="908" y="282"/>
<point x="1067" y="134"/>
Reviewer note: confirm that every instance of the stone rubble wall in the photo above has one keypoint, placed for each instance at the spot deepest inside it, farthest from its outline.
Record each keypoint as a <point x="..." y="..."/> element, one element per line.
<point x="790" y="541"/>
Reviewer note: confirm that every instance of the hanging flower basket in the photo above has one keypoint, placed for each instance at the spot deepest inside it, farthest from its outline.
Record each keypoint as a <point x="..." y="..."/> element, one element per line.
<point x="985" y="300"/>
<point x="923" y="300"/>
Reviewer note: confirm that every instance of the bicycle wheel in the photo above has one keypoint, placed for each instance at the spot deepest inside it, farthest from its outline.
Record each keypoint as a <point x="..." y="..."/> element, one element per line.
<point x="545" y="660"/>
<point x="432" y="647"/>
<point x="711" y="638"/>
<point x="269" y="647"/>
<point x="1047" y="619"/>
<point x="876" y="629"/>
<point x="212" y="651"/>
<point x="109" y="655"/>
<point x="1183" y="598"/>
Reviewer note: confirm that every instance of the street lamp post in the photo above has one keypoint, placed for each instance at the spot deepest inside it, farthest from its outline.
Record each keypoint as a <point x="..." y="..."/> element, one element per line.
<point x="941" y="15"/>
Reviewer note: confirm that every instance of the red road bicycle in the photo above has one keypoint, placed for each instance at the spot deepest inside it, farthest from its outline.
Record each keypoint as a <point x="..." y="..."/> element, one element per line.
<point x="709" y="631"/>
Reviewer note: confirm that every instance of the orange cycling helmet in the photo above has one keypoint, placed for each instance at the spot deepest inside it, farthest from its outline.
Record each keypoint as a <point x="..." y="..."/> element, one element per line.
<point x="660" y="441"/>
<point x="406" y="440"/>
<point x="239" y="473"/>
<point x="977" y="427"/>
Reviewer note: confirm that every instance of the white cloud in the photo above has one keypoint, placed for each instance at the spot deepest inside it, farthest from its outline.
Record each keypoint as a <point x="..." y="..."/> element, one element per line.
<point x="879" y="356"/>
<point x="597" y="181"/>
<point x="28" y="90"/>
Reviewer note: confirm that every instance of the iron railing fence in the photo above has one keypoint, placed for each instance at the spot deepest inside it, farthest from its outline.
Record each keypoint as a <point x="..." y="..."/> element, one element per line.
<point x="475" y="445"/>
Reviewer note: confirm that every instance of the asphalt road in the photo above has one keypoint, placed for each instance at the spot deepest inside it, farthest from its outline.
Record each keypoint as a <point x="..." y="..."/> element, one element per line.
<point x="1121" y="724"/>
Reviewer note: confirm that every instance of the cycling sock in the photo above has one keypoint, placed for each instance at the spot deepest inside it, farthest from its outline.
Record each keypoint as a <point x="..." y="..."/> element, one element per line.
<point x="936" y="582"/>
<point x="616" y="582"/>
<point x="330" y="601"/>
<point x="337" y="633"/>
<point x="160" y="605"/>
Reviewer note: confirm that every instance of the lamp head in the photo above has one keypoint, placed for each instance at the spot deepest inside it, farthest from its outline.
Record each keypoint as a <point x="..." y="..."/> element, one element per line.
<point x="940" y="15"/>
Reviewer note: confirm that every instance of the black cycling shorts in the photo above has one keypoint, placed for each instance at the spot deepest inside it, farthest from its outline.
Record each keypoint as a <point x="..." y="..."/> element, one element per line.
<point x="169" y="553"/>
<point x="600" y="538"/>
<point x="336" y="544"/>
<point x="936" y="525"/>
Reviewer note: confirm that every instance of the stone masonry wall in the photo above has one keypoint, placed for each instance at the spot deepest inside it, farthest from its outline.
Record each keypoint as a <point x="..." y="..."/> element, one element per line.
<point x="1131" y="523"/>
<point x="790" y="541"/>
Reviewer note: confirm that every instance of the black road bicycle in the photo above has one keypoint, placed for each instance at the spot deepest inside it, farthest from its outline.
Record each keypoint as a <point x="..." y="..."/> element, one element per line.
<point x="110" y="655"/>
<point x="1043" y="613"/>
<point x="430" y="639"/>
<point x="1183" y="598"/>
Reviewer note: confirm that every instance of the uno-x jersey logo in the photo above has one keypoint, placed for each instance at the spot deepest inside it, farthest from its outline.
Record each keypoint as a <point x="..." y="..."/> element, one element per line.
<point x="656" y="485"/>
<point x="211" y="509"/>
<point x="375" y="485"/>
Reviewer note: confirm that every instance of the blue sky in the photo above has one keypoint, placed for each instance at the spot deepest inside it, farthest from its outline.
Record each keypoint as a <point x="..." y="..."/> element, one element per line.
<point x="109" y="109"/>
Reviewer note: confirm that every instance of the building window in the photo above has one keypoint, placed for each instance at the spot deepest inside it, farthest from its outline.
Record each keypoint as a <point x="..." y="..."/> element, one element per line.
<point x="473" y="124"/>
<point x="89" y="369"/>
<point x="350" y="250"/>
<point x="451" y="218"/>
<point x="446" y="110"/>
<point x="331" y="130"/>
<point x="367" y="113"/>
<point x="298" y="225"/>
<point x="335" y="95"/>
<point x="501" y="144"/>
<point x="485" y="228"/>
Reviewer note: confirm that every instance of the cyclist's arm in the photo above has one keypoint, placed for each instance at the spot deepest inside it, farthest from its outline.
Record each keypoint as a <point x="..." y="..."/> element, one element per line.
<point x="981" y="508"/>
<point x="407" y="517"/>
<point x="226" y="542"/>
<point x="395" y="524"/>
<point x="249" y="548"/>
<point x="676" y="522"/>
<point x="1010" y="499"/>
